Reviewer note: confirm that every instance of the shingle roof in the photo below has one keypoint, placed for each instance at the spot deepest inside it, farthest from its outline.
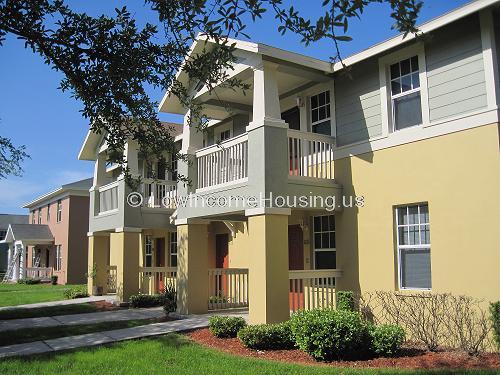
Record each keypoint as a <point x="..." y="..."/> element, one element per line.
<point x="28" y="232"/>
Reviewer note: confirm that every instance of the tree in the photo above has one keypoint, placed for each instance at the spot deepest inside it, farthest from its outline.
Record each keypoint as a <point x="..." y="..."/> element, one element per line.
<point x="108" y="61"/>
<point x="11" y="158"/>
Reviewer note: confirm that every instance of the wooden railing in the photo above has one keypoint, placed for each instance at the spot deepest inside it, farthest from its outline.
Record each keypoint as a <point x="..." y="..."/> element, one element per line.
<point x="223" y="163"/>
<point x="227" y="288"/>
<point x="42" y="273"/>
<point x="310" y="289"/>
<point x="111" y="279"/>
<point x="153" y="280"/>
<point x="108" y="197"/>
<point x="159" y="194"/>
<point x="310" y="155"/>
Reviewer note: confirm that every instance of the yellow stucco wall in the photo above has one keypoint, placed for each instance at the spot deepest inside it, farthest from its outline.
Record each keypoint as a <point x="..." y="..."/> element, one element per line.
<point x="459" y="176"/>
<point x="125" y="250"/>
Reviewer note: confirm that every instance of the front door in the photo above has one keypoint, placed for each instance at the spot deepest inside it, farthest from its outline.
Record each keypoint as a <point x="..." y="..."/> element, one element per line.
<point x="160" y="262"/>
<point x="221" y="261"/>
<point x="295" y="262"/>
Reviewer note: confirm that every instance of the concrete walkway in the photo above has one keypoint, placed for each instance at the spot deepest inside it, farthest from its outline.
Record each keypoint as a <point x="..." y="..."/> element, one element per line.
<point x="106" y="337"/>
<point x="84" y="318"/>
<point x="76" y="301"/>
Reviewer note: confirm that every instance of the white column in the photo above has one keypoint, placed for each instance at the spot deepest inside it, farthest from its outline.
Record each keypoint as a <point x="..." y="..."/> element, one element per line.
<point x="131" y="154"/>
<point x="22" y="261"/>
<point x="100" y="170"/>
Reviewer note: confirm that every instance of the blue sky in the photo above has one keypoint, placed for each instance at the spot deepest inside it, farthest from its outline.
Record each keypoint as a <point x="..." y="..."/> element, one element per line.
<point x="35" y="113"/>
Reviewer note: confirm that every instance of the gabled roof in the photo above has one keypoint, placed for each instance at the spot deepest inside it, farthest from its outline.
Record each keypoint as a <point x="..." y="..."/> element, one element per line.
<point x="80" y="187"/>
<point x="29" y="234"/>
<point x="6" y="219"/>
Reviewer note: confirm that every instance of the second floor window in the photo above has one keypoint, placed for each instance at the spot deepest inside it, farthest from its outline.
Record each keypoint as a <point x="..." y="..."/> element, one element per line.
<point x="320" y="113"/>
<point x="3" y="233"/>
<point x="324" y="242"/>
<point x="405" y="94"/>
<point x="33" y="219"/>
<point x="173" y="249"/>
<point x="59" y="211"/>
<point x="48" y="213"/>
<point x="39" y="216"/>
<point x="225" y="135"/>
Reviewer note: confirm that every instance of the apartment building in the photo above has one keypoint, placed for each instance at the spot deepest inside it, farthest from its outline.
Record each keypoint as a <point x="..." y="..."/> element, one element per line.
<point x="401" y="156"/>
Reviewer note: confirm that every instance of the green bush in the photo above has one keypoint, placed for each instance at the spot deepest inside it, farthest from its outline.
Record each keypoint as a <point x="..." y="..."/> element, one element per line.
<point x="386" y="339"/>
<point x="268" y="336"/>
<point x="170" y="299"/>
<point x="495" y="319"/>
<point x="328" y="334"/>
<point x="76" y="292"/>
<point x="225" y="326"/>
<point x="53" y="279"/>
<point x="146" y="300"/>
<point x="28" y="281"/>
<point x="345" y="300"/>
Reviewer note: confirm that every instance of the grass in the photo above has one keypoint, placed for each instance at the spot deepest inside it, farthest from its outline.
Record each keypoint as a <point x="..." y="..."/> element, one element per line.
<point x="19" y="294"/>
<point x="21" y="336"/>
<point x="79" y="308"/>
<point x="172" y="354"/>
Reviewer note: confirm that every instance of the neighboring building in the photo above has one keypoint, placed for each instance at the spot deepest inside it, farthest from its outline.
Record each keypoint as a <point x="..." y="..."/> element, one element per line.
<point x="413" y="129"/>
<point x="54" y="240"/>
<point x="5" y="221"/>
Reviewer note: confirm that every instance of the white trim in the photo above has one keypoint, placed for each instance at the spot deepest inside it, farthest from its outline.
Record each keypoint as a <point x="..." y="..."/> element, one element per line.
<point x="268" y="211"/>
<point x="489" y="57"/>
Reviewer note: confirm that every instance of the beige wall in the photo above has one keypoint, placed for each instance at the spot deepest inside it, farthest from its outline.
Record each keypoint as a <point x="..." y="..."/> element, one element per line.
<point x="459" y="176"/>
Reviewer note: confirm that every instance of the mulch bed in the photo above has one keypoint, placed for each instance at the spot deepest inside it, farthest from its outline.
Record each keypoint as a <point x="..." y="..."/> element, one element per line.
<point x="409" y="358"/>
<point x="104" y="306"/>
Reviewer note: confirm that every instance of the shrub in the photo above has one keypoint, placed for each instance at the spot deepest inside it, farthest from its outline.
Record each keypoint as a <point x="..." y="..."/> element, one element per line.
<point x="53" y="280"/>
<point x="268" y="336"/>
<point x="495" y="319"/>
<point x="28" y="281"/>
<point x="225" y="326"/>
<point x="76" y="292"/>
<point x="170" y="299"/>
<point x="345" y="300"/>
<point x="329" y="334"/>
<point x="146" y="300"/>
<point x="386" y="339"/>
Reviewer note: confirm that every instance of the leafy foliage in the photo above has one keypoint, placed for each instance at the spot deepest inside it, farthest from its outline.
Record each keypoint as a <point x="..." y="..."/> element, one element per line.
<point x="170" y="299"/>
<point x="268" y="336"/>
<point x="28" y="281"/>
<point x="225" y="326"/>
<point x="146" y="300"/>
<point x="386" y="339"/>
<point x="495" y="319"/>
<point x="11" y="158"/>
<point x="345" y="300"/>
<point x="76" y="292"/>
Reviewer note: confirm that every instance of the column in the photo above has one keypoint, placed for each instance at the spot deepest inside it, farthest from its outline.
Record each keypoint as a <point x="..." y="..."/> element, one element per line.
<point x="98" y="255"/>
<point x="124" y="254"/>
<point x="192" y="268"/>
<point x="268" y="268"/>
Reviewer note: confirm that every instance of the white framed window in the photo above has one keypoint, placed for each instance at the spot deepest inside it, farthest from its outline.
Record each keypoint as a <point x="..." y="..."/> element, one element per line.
<point x="173" y="249"/>
<point x="320" y="113"/>
<point x="59" y="211"/>
<point x="406" y="103"/>
<point x="58" y="265"/>
<point x="413" y="246"/>
<point x="225" y="135"/>
<point x="324" y="242"/>
<point x="33" y="220"/>
<point x="48" y="213"/>
<point x="33" y="256"/>
<point x="39" y="216"/>
<point x="148" y="252"/>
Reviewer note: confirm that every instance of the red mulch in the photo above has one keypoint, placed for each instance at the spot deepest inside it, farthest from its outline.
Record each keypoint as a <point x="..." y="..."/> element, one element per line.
<point x="410" y="358"/>
<point x="104" y="306"/>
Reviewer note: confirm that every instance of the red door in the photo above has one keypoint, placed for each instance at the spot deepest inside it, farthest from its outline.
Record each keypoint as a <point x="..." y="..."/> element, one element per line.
<point x="221" y="261"/>
<point x="160" y="262"/>
<point x="296" y="262"/>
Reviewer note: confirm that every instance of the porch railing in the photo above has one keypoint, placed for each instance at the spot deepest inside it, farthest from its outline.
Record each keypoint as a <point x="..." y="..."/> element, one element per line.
<point x="227" y="288"/>
<point x="310" y="289"/>
<point x="220" y="164"/>
<point x="42" y="273"/>
<point x="111" y="279"/>
<point x="310" y="154"/>
<point x="158" y="193"/>
<point x="108" y="197"/>
<point x="153" y="280"/>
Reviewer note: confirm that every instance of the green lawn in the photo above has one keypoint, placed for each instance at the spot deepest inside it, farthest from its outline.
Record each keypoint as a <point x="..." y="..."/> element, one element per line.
<point x="79" y="308"/>
<point x="18" y="294"/>
<point x="171" y="354"/>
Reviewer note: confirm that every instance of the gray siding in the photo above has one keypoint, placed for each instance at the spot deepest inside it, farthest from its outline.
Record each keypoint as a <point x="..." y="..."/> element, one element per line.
<point x="357" y="104"/>
<point x="455" y="70"/>
<point x="496" y="21"/>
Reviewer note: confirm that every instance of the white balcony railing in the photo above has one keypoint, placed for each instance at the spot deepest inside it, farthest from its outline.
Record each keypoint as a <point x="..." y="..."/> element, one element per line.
<point x="227" y="288"/>
<point x="42" y="273"/>
<point x="158" y="193"/>
<point x="310" y="155"/>
<point x="153" y="280"/>
<point x="224" y="163"/>
<point x="310" y="289"/>
<point x="108" y="197"/>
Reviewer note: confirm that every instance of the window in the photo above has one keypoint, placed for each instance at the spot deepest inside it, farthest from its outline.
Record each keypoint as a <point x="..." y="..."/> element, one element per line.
<point x="225" y="135"/>
<point x="3" y="233"/>
<point x="33" y="257"/>
<point x="405" y="94"/>
<point x="320" y="113"/>
<point x="173" y="249"/>
<point x="414" y="246"/>
<point x="33" y="217"/>
<point x="48" y="213"/>
<point x="324" y="242"/>
<point x="39" y="216"/>
<point x="58" y="265"/>
<point x="59" y="211"/>
<point x="148" y="252"/>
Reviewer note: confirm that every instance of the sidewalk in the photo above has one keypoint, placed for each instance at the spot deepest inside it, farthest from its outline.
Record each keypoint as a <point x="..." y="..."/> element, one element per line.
<point x="75" y="301"/>
<point x="106" y="337"/>
<point x="84" y="318"/>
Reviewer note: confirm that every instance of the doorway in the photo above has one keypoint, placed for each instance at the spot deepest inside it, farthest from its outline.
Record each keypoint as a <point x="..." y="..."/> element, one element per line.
<point x="295" y="262"/>
<point x="221" y="261"/>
